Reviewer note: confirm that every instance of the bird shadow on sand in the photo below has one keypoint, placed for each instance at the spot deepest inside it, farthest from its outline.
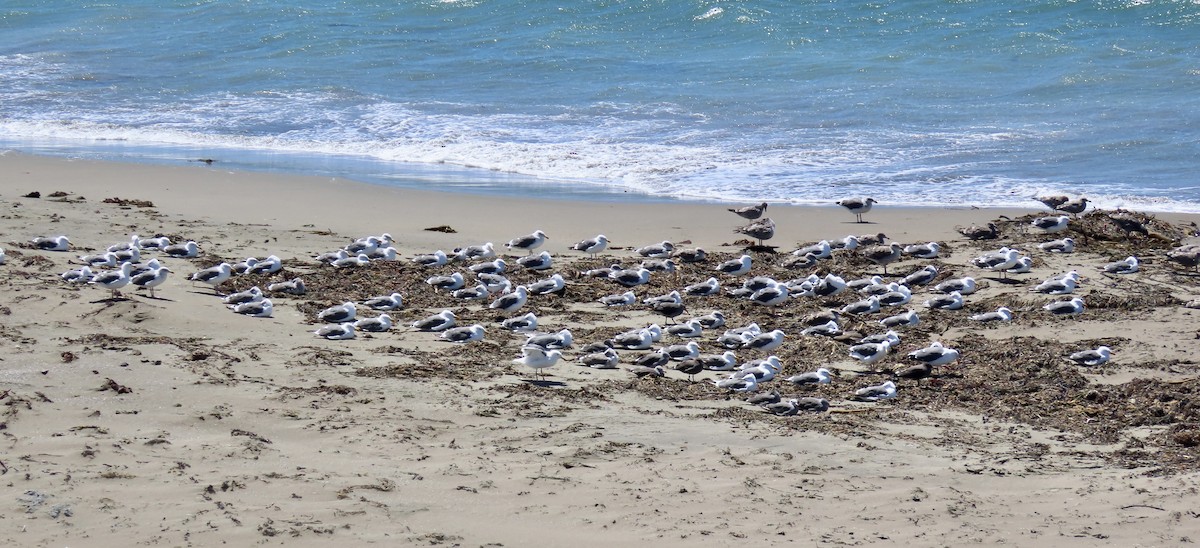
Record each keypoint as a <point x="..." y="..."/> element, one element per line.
<point x="111" y="300"/>
<point x="1006" y="281"/>
<point x="544" y="383"/>
<point x="762" y="249"/>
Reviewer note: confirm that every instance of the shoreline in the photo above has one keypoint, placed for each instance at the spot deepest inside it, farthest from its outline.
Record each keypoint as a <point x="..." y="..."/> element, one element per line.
<point x="172" y="420"/>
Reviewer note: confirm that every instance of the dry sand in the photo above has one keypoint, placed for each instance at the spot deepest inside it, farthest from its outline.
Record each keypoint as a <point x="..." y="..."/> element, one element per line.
<point x="174" y="422"/>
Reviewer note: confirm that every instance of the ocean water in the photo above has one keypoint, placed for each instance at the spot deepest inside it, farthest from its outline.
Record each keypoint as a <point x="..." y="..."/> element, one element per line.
<point x="917" y="102"/>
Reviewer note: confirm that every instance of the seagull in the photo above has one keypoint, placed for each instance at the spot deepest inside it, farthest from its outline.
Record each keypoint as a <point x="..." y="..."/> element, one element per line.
<point x="541" y="261"/>
<point x="107" y="259"/>
<point x="133" y="243"/>
<point x="883" y="255"/>
<point x="921" y="277"/>
<point x="712" y="320"/>
<point x="964" y="286"/>
<point x="51" y="243"/>
<point x="902" y="295"/>
<point x="113" y="280"/>
<point x="735" y="267"/>
<point x="692" y="255"/>
<point x="690" y="367"/>
<point x="764" y="370"/>
<point x="359" y="260"/>
<point x="915" y="372"/>
<point x="80" y="275"/>
<point x="827" y="329"/>
<point x="974" y="232"/>
<point x="858" y="206"/>
<point x="622" y="299"/>
<point x="687" y="330"/>
<point x="819" y="250"/>
<point x="669" y="309"/>
<point x="862" y="284"/>
<point x="529" y="242"/>
<point x="680" y="352"/>
<point x="438" y="322"/>
<point x="151" y="279"/>
<point x="131" y="255"/>
<point x="1002" y="314"/>
<point x="186" y="250"/>
<point x="746" y="383"/>
<point x="651" y="360"/>
<point x="766" y="341"/>
<point x="560" y="340"/>
<point x="477" y="293"/>
<point x="1127" y="266"/>
<point x="631" y="277"/>
<point x="764" y="398"/>
<point x="660" y="250"/>
<point x="593" y="245"/>
<point x="1053" y="201"/>
<point x="998" y="262"/>
<point x="750" y="212"/>
<point x="332" y="256"/>
<point x="1023" y="266"/>
<point x="759" y="230"/>
<point x="849" y="243"/>
<point x="364" y="246"/>
<point x="883" y="391"/>
<point x="726" y="361"/>
<point x="1065" y="308"/>
<point x="344" y="312"/>
<point x="452" y="282"/>
<point x="830" y="285"/>
<point x="374" y="325"/>
<point x="538" y="358"/>
<point x="812" y="378"/>
<point x="463" y="335"/>
<point x="774" y="295"/>
<point x="244" y="266"/>
<point x="870" y="352"/>
<point x="511" y="302"/>
<point x="495" y="266"/>
<point x="659" y="265"/>
<point x="496" y="283"/>
<point x="601" y="360"/>
<point x="294" y="286"/>
<point x="1061" y="285"/>
<point x="553" y="284"/>
<point x="640" y="371"/>
<point x="951" y="301"/>
<point x="249" y="295"/>
<point x="336" y="331"/>
<point x="1051" y="225"/>
<point x="214" y="276"/>
<point x="528" y="323"/>
<point x="385" y="302"/>
<point x="867" y="306"/>
<point x="388" y="253"/>
<point x="1065" y="245"/>
<point x="706" y="288"/>
<point x="437" y="258"/>
<point x="1074" y="207"/>
<point x="153" y="243"/>
<point x="907" y="319"/>
<point x="934" y="354"/>
<point x="270" y="265"/>
<point x="475" y="252"/>
<point x="261" y="308"/>
<point x="796" y="405"/>
<point x="890" y="336"/>
<point x="636" y="340"/>
<point x="923" y="251"/>
<point x="1099" y="356"/>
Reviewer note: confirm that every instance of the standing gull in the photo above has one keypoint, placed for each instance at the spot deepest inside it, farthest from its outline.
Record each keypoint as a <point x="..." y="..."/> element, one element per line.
<point x="529" y="242"/>
<point x="858" y="206"/>
<point x="593" y="245"/>
<point x="883" y="255"/>
<point x="750" y="212"/>
<point x="759" y="230"/>
<point x="538" y="358"/>
<point x="114" y="280"/>
<point x="214" y="276"/>
<point x="151" y="279"/>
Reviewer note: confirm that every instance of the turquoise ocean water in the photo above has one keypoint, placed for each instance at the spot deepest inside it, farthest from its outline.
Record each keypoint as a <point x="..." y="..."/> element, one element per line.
<point x="913" y="102"/>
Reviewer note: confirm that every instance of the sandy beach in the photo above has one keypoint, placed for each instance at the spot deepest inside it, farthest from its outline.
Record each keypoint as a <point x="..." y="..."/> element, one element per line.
<point x="172" y="421"/>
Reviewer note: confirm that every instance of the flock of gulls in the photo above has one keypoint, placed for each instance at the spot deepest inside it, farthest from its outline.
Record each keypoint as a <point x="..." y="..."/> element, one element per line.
<point x="479" y="275"/>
